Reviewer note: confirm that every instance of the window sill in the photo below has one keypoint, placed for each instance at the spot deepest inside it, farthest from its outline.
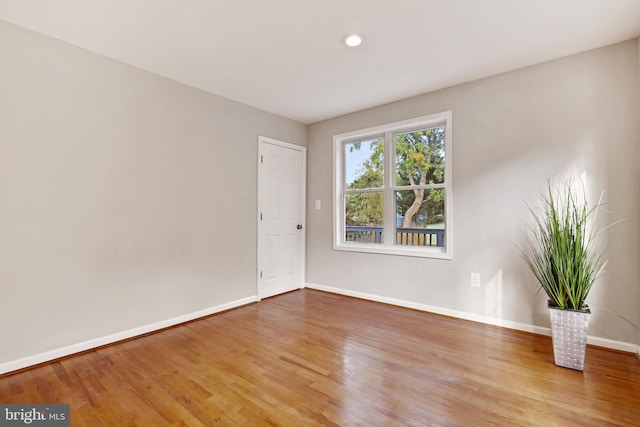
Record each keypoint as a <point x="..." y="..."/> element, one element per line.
<point x="422" y="252"/>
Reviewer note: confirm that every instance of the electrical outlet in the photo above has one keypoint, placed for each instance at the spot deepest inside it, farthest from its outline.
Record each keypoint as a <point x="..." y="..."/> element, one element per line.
<point x="475" y="280"/>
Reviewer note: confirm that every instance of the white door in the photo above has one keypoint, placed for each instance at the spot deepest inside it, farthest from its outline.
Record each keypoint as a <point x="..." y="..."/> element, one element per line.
<point x="281" y="213"/>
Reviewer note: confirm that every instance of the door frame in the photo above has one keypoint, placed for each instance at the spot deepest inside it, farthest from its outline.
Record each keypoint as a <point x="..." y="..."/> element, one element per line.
<point x="303" y="201"/>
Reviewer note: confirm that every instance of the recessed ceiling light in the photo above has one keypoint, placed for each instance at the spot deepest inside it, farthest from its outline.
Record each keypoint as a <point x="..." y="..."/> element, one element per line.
<point x="352" y="40"/>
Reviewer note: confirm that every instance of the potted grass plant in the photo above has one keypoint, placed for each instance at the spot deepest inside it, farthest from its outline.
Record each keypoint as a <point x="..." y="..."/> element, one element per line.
<point x="560" y="251"/>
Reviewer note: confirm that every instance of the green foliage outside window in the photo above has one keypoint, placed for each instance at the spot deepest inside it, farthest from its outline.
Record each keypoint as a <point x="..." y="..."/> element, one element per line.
<point x="419" y="158"/>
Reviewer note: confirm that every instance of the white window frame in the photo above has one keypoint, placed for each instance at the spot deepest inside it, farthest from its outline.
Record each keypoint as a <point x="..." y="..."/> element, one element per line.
<point x="339" y="172"/>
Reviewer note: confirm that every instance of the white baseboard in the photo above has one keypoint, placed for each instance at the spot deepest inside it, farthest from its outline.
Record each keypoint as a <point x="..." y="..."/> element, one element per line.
<point x="47" y="356"/>
<point x="600" y="342"/>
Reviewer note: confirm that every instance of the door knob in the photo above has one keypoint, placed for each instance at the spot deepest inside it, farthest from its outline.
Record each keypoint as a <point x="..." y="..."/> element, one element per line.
<point x="299" y="227"/>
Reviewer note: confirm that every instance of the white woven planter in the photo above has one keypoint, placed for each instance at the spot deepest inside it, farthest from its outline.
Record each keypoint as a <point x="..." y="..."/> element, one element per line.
<point x="569" y="335"/>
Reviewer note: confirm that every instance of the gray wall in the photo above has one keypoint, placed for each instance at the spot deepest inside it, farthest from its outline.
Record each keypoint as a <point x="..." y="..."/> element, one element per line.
<point x="510" y="133"/>
<point x="125" y="198"/>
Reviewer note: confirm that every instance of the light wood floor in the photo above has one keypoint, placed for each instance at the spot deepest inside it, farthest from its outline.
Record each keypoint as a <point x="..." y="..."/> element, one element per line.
<point x="310" y="358"/>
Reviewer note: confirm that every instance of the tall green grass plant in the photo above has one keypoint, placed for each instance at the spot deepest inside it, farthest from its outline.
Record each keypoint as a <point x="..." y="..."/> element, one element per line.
<point x="560" y="249"/>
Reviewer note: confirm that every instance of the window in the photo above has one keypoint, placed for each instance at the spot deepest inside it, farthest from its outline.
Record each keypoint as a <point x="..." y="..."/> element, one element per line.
<point x="392" y="188"/>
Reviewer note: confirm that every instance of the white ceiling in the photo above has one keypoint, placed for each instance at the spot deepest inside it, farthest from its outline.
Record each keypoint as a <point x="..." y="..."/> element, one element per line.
<point x="285" y="56"/>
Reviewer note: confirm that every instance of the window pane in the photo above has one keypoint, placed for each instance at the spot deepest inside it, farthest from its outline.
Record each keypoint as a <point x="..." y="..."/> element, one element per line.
<point x="364" y="217"/>
<point x="420" y="217"/>
<point x="420" y="157"/>
<point x="364" y="164"/>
